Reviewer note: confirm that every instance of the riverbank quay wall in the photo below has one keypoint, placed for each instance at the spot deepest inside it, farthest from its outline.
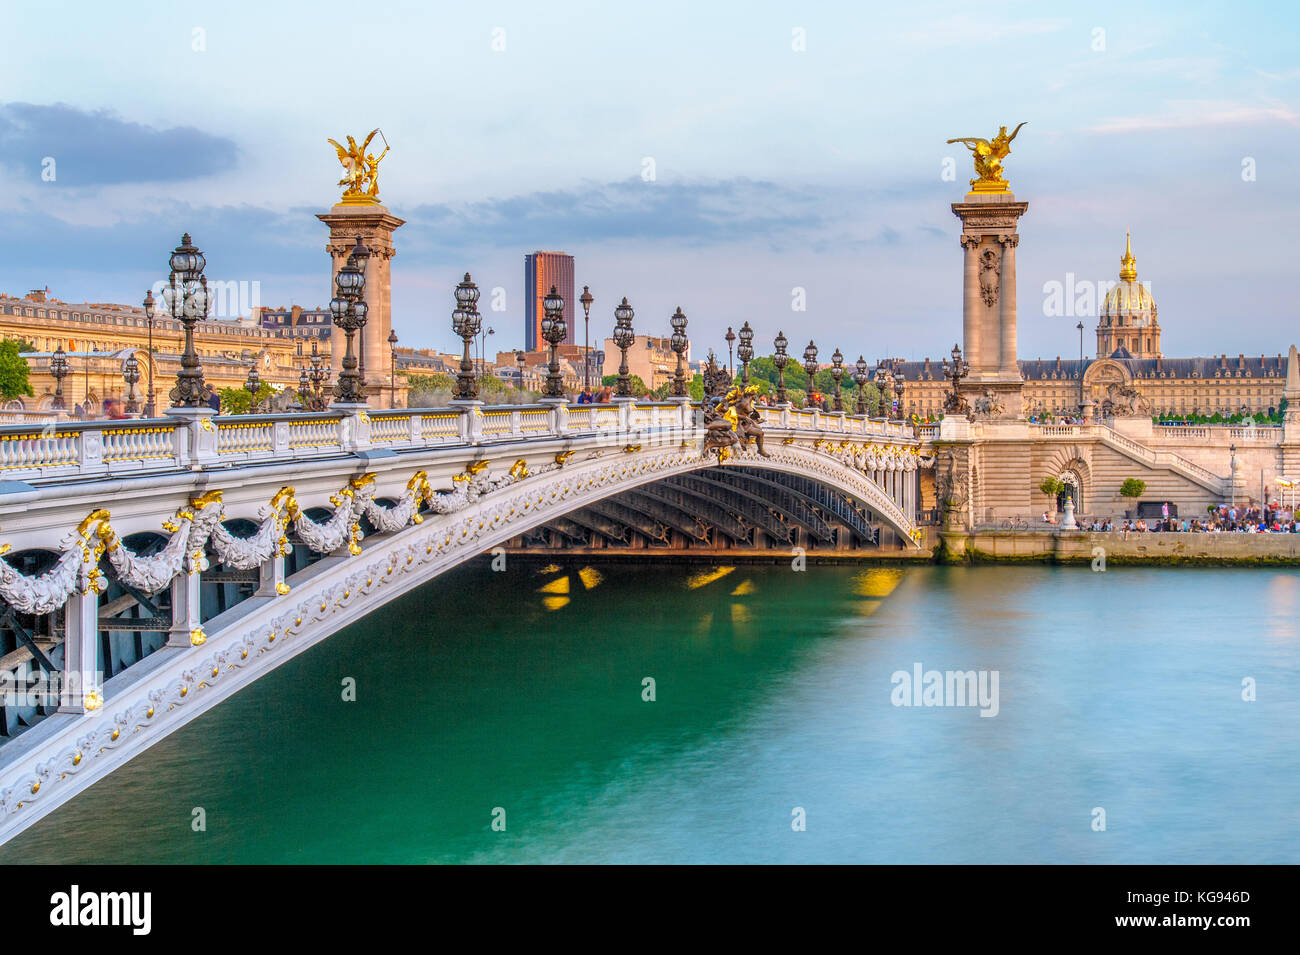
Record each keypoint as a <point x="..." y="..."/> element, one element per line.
<point x="1103" y="549"/>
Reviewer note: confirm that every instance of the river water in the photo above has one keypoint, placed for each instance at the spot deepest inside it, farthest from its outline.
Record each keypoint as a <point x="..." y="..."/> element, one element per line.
<point x="773" y="735"/>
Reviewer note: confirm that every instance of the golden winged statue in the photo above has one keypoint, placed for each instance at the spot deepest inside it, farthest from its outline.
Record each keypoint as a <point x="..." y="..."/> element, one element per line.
<point x="988" y="155"/>
<point x="360" y="169"/>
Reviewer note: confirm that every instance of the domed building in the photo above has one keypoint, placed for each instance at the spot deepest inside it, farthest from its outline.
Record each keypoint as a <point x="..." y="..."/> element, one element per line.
<point x="1127" y="322"/>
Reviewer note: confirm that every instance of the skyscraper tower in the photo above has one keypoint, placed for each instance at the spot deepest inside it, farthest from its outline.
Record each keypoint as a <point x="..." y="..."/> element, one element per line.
<point x="541" y="271"/>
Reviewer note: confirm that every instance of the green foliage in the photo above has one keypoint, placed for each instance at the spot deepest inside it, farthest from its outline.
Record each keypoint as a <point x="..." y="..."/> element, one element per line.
<point x="13" y="371"/>
<point x="1132" y="487"/>
<point x="238" y="401"/>
<point x="634" y="381"/>
<point x="696" y="388"/>
<point x="25" y="345"/>
<point x="1051" y="486"/>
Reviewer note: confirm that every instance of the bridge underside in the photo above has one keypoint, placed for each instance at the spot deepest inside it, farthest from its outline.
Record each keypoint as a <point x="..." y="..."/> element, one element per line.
<point x="719" y="508"/>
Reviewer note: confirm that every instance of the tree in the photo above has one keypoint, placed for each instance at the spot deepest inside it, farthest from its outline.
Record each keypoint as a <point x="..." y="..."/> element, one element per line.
<point x="638" y="387"/>
<point x="1132" y="487"/>
<point x="238" y="401"/>
<point x="13" y="371"/>
<point x="1051" y="486"/>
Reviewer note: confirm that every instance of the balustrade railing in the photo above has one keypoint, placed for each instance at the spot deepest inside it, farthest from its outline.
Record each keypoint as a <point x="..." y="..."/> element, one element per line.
<point x="102" y="448"/>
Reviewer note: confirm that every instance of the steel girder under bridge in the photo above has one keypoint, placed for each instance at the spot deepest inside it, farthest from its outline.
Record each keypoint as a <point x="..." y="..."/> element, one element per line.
<point x="721" y="505"/>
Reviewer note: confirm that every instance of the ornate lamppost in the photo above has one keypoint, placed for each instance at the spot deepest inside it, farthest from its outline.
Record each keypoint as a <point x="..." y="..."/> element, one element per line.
<point x="898" y="393"/>
<point x="780" y="359"/>
<point x="319" y="374"/>
<point x="304" y="388"/>
<point x="810" y="365"/>
<point x="554" y="330"/>
<point x="466" y="322"/>
<point x="150" y="406"/>
<point x="188" y="300"/>
<point x="131" y="375"/>
<point x="679" y="343"/>
<point x="519" y="360"/>
<point x="253" y="384"/>
<point x="586" y="298"/>
<point x="348" y="308"/>
<point x="730" y="337"/>
<point x="392" y="368"/>
<point x="745" y="352"/>
<point x="837" y="372"/>
<point x="882" y="386"/>
<point x="955" y="372"/>
<point x="624" y="338"/>
<point x="59" y="369"/>
<point x="860" y="379"/>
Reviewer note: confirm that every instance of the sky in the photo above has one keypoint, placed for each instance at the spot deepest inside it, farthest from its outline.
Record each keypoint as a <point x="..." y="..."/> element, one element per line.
<point x="736" y="159"/>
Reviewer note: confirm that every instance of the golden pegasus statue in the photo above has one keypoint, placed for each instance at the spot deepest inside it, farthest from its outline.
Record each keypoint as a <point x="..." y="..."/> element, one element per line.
<point x="360" y="169"/>
<point x="988" y="155"/>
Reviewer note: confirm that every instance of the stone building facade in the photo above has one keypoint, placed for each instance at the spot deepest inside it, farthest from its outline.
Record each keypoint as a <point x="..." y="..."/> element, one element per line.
<point x="1132" y="377"/>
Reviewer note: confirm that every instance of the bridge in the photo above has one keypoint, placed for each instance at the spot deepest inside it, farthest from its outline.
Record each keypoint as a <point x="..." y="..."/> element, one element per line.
<point x="154" y="567"/>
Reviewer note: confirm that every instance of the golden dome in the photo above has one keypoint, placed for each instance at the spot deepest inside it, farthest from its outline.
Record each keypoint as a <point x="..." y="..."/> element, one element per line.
<point x="1128" y="303"/>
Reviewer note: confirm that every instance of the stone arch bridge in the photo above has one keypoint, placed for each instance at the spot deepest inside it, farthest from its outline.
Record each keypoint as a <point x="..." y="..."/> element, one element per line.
<point x="152" y="568"/>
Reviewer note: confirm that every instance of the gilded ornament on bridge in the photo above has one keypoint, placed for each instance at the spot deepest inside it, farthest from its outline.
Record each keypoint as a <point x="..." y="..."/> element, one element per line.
<point x="988" y="156"/>
<point x="360" y="170"/>
<point x="731" y="421"/>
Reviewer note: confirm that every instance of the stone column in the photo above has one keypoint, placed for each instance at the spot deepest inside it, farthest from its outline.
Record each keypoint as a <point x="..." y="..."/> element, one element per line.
<point x="989" y="221"/>
<point x="79" y="691"/>
<point x="187" y="619"/>
<point x="1007" y="367"/>
<point x="970" y="314"/>
<point x="375" y="225"/>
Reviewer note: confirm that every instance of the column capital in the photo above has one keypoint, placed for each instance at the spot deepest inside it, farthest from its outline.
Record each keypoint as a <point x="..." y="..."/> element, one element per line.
<point x="969" y="241"/>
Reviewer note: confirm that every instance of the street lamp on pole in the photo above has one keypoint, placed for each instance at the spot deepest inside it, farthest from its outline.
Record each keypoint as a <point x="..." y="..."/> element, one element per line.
<point x="745" y="352"/>
<point x="730" y="337"/>
<point x="586" y="298"/>
<point x="150" y="407"/>
<point x="253" y="384"/>
<point x="131" y="375"/>
<point x="679" y="343"/>
<point x="860" y="378"/>
<point x="624" y="338"/>
<point x="837" y="372"/>
<point x="519" y="360"/>
<point x="59" y="369"/>
<point x="466" y="321"/>
<point x="810" y="366"/>
<point x="554" y="330"/>
<point x="1080" y="328"/>
<point x="392" y="368"/>
<point x="348" y="308"/>
<point x="188" y="300"/>
<point x="780" y="359"/>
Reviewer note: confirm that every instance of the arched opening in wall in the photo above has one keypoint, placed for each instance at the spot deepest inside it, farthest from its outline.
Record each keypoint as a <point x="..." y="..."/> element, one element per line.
<point x="31" y="653"/>
<point x="222" y="587"/>
<point x="1073" y="491"/>
<point x="133" y="622"/>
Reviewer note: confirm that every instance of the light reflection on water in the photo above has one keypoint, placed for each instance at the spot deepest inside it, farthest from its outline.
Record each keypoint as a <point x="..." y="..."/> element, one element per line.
<point x="1119" y="690"/>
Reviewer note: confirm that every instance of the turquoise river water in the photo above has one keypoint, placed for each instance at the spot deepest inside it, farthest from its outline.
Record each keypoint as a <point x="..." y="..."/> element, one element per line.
<point x="518" y="696"/>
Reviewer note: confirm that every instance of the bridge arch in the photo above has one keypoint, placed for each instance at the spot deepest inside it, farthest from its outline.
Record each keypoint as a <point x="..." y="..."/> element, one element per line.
<point x="253" y="637"/>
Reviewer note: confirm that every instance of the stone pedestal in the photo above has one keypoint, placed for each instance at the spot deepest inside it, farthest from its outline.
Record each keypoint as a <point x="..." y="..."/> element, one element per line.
<point x="375" y="225"/>
<point x="989" y="240"/>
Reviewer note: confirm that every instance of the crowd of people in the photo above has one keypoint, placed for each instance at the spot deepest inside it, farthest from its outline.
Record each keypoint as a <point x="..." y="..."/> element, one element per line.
<point x="1247" y="519"/>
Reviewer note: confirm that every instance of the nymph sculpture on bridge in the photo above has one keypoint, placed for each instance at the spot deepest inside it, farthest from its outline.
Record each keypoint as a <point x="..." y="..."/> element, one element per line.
<point x="730" y="419"/>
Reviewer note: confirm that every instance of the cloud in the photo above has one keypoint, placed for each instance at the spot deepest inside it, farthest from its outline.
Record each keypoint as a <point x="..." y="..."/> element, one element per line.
<point x="97" y="147"/>
<point x="695" y="213"/>
<point x="1190" y="114"/>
